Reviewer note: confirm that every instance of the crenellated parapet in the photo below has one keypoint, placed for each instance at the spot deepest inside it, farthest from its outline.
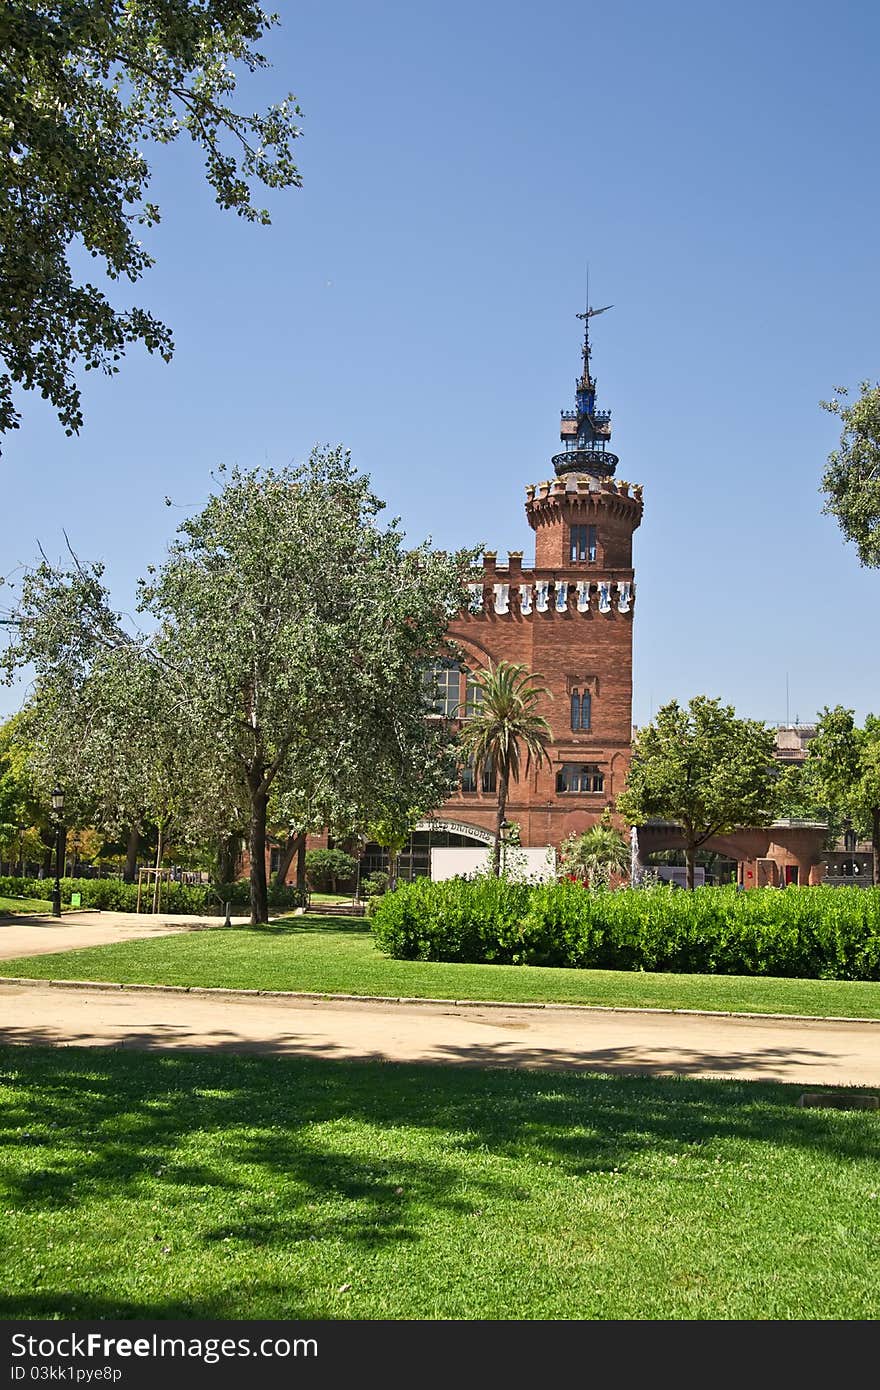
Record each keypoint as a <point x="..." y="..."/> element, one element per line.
<point x="561" y="499"/>
<point x="513" y="590"/>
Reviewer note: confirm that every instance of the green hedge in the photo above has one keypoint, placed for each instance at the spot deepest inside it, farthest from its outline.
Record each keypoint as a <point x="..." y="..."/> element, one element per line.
<point x="112" y="895"/>
<point x="810" y="933"/>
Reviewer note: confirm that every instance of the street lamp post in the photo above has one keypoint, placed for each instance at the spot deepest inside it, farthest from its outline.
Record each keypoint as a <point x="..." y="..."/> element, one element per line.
<point x="503" y="829"/>
<point x="58" y="811"/>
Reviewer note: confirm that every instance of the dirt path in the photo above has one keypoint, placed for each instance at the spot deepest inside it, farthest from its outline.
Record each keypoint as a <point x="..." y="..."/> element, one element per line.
<point x="808" y="1053"/>
<point x="39" y="936"/>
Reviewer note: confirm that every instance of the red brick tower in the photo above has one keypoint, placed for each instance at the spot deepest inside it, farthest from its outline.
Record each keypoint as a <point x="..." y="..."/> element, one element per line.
<point x="568" y="617"/>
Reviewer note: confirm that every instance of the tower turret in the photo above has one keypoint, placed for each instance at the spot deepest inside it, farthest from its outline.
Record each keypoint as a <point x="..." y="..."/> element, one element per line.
<point x="585" y="516"/>
<point x="586" y="431"/>
<point x="569" y="616"/>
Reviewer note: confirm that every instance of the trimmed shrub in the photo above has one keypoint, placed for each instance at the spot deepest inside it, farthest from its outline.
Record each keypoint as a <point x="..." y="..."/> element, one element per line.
<point x="810" y="933"/>
<point x="459" y="920"/>
<point x="375" y="884"/>
<point x="112" y="895"/>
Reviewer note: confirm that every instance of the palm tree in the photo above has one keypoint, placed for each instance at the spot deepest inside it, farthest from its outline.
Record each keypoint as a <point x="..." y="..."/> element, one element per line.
<point x="596" y="854"/>
<point x="504" y="726"/>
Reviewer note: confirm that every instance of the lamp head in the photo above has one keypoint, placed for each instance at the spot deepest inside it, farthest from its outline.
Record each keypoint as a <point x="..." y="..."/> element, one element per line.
<point x="58" y="801"/>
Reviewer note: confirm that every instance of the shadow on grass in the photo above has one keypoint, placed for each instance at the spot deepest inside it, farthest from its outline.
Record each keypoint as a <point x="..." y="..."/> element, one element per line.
<point x="314" y="922"/>
<point x="64" y="1305"/>
<point x="303" y="1143"/>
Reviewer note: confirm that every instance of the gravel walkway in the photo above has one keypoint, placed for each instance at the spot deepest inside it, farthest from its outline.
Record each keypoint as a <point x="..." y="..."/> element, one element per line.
<point x="805" y="1052"/>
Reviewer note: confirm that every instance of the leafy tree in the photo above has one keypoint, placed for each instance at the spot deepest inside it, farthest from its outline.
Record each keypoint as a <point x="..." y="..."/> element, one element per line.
<point x="324" y="867"/>
<point x="845" y="761"/>
<point x="299" y="623"/>
<point x="289" y="632"/>
<point x="869" y="784"/>
<point x="391" y="832"/>
<point x="106" y="729"/>
<point x="799" y="794"/>
<point x="851" y="482"/>
<point x="85" y="89"/>
<point x="25" y="809"/>
<point x="702" y="768"/>
<point x="596" y="855"/>
<point x="506" y="724"/>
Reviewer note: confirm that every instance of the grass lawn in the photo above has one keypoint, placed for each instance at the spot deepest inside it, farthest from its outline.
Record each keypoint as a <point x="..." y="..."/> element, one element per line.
<point x="18" y="907"/>
<point x="338" y="957"/>
<point x="183" y="1186"/>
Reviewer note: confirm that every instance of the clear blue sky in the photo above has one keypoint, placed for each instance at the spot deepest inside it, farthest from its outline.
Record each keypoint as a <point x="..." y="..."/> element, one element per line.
<point x="415" y="301"/>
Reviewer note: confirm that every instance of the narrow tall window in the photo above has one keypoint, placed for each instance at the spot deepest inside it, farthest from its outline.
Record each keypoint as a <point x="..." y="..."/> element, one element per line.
<point x="583" y="545"/>
<point x="468" y="780"/>
<point x="581" y="711"/>
<point x="487" y="783"/>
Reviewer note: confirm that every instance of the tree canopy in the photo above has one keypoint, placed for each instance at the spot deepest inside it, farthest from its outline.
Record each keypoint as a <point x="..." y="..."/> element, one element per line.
<point x="284" y="661"/>
<point x="845" y="762"/>
<point x="702" y="768"/>
<point x="85" y="90"/>
<point x="851" y="481"/>
<point x="24" y="811"/>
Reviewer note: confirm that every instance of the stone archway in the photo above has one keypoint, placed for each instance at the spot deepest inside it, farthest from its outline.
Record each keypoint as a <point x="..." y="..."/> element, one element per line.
<point x="477" y="833"/>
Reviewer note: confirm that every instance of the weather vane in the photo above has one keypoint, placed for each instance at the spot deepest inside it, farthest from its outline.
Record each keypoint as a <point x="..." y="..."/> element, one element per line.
<point x="591" y="313"/>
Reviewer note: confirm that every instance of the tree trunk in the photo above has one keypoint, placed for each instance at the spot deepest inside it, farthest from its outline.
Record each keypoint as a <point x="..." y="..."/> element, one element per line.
<point x="301" y="865"/>
<point x="131" y="854"/>
<point x="502" y="808"/>
<point x="393" y="856"/>
<point x="257" y="848"/>
<point x="227" y="859"/>
<point x="875" y="842"/>
<point x="160" y="847"/>
<point x="690" y="857"/>
<point x="291" y="848"/>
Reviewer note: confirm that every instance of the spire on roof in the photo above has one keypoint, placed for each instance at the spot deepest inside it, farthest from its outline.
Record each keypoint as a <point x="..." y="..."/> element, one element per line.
<point x="586" y="431"/>
<point x="586" y="382"/>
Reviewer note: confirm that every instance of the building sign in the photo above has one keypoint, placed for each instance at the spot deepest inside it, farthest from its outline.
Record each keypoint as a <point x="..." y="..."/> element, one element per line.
<point x="453" y="827"/>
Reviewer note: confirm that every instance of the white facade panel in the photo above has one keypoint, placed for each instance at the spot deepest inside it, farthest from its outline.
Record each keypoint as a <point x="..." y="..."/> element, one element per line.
<point x="537" y="862"/>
